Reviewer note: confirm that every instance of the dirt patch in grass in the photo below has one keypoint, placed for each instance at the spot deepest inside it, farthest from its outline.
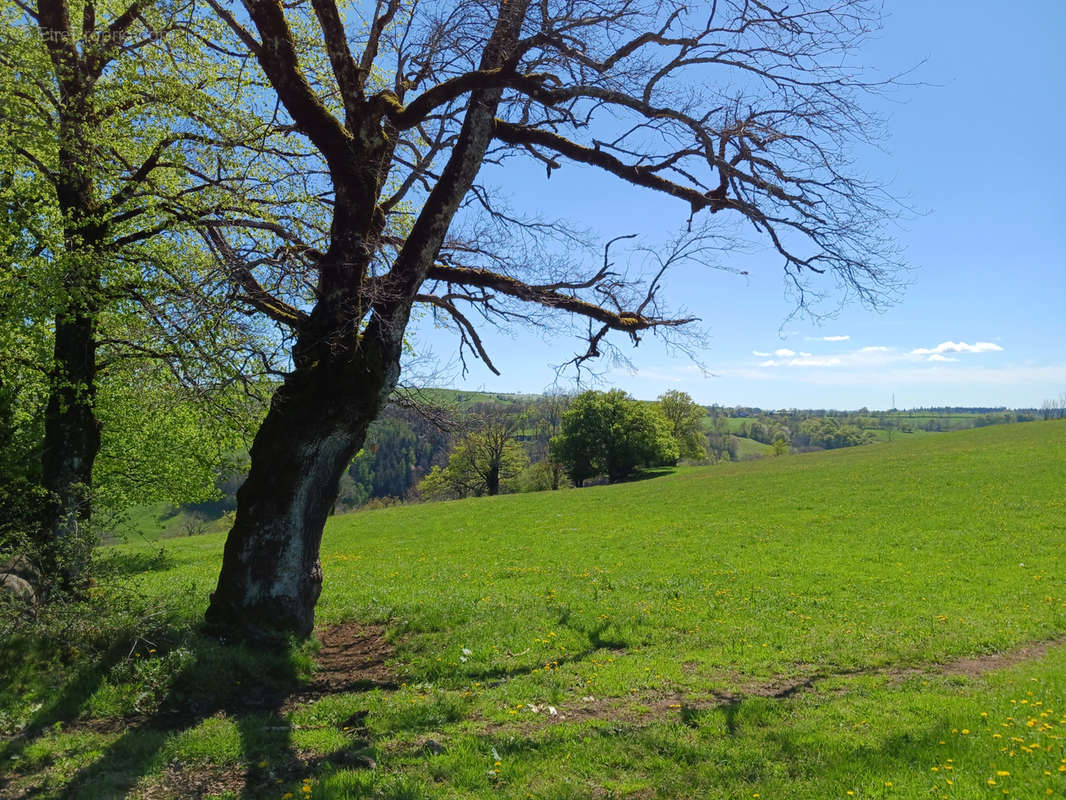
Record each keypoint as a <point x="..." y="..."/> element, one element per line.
<point x="181" y="782"/>
<point x="974" y="667"/>
<point x="353" y="656"/>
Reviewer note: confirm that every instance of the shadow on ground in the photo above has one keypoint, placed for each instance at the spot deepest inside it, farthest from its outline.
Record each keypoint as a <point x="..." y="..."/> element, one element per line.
<point x="249" y="689"/>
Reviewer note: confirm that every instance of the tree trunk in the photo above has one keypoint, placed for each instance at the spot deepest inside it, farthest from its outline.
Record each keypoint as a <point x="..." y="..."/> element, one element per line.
<point x="71" y="440"/>
<point x="271" y="575"/>
<point x="492" y="478"/>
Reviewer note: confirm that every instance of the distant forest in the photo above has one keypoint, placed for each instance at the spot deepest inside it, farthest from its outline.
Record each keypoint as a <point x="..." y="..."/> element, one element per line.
<point x="416" y="437"/>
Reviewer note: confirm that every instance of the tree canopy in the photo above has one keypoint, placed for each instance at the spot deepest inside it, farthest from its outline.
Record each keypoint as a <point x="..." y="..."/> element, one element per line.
<point x="610" y="433"/>
<point x="111" y="322"/>
<point x="686" y="422"/>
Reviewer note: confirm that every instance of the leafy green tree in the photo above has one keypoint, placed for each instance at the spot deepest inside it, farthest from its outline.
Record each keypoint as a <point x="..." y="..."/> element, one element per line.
<point x="483" y="463"/>
<point x="117" y="162"/>
<point x="486" y="460"/>
<point x="722" y="446"/>
<point x="544" y="421"/>
<point x="610" y="433"/>
<point x="686" y="423"/>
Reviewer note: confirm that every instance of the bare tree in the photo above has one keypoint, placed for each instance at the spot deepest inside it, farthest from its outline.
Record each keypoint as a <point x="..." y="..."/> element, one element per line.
<point x="744" y="109"/>
<point x="1054" y="408"/>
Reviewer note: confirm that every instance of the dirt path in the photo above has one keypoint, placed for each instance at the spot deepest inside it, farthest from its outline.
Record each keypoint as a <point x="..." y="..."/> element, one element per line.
<point x="781" y="687"/>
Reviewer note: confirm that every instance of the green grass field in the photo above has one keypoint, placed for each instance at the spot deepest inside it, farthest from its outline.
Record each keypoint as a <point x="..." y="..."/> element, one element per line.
<point x="749" y="448"/>
<point x="874" y="622"/>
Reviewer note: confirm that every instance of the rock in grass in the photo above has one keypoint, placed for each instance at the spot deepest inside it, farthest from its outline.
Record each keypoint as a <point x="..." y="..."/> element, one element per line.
<point x="18" y="590"/>
<point x="22" y="567"/>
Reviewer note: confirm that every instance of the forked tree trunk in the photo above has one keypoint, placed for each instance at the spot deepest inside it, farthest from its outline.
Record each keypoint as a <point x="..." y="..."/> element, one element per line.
<point x="271" y="575"/>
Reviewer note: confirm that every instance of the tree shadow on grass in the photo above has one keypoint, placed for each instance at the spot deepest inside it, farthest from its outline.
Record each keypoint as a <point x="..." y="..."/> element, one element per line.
<point x="236" y="698"/>
<point x="118" y="564"/>
<point x="645" y="474"/>
<point x="243" y="690"/>
<point x="62" y="708"/>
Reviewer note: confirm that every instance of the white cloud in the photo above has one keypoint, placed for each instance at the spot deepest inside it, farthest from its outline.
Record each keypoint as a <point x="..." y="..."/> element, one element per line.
<point x="759" y="354"/>
<point x="921" y="373"/>
<point x="881" y="357"/>
<point x="808" y="361"/>
<point x="958" y="347"/>
<point x="843" y="338"/>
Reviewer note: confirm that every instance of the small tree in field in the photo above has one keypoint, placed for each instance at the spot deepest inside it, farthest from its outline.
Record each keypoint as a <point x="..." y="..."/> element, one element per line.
<point x="482" y="463"/>
<point x="686" y="422"/>
<point x="610" y="433"/>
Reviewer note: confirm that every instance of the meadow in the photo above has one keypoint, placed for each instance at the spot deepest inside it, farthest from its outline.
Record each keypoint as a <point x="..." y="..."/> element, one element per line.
<point x="872" y="622"/>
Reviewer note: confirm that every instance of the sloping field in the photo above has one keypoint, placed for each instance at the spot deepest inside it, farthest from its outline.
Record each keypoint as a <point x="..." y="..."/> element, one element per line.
<point x="877" y="622"/>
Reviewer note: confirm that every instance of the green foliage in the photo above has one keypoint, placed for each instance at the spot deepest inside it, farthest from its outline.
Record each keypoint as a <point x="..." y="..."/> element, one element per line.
<point x="385" y="467"/>
<point x="97" y="195"/>
<point x="538" y="477"/>
<point x="484" y="462"/>
<point x="686" y="423"/>
<point x="162" y="441"/>
<point x="435" y="486"/>
<point x="829" y="433"/>
<point x="26" y="511"/>
<point x="611" y="433"/>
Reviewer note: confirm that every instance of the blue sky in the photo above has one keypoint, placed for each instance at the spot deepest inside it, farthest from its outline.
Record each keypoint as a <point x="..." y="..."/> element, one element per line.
<point x="976" y="152"/>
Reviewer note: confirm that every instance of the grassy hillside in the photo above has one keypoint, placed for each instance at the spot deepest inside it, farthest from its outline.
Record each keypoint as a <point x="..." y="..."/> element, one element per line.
<point x="749" y="448"/>
<point x="868" y="622"/>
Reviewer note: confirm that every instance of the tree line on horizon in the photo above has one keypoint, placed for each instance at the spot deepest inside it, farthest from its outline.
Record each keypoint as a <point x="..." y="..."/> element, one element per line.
<point x="470" y="444"/>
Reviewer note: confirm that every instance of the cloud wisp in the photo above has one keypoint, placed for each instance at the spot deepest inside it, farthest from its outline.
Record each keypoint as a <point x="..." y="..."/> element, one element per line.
<point x="875" y="355"/>
<point x="958" y="347"/>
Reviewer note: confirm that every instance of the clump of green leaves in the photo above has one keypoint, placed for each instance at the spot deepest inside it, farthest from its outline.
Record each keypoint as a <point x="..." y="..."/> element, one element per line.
<point x="610" y="433"/>
<point x="686" y="417"/>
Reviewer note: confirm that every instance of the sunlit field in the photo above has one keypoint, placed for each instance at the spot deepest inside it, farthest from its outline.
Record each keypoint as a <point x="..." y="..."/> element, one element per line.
<point x="874" y="622"/>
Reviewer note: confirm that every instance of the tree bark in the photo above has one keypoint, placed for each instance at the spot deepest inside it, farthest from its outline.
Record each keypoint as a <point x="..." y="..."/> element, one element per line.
<point x="72" y="430"/>
<point x="71" y="442"/>
<point x="492" y="478"/>
<point x="271" y="574"/>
